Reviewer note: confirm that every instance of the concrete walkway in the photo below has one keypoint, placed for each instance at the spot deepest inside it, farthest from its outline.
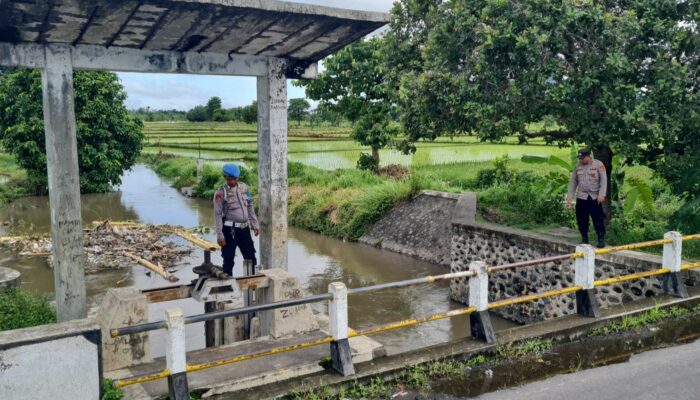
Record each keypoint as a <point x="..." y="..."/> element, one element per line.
<point x="660" y="374"/>
<point x="251" y="373"/>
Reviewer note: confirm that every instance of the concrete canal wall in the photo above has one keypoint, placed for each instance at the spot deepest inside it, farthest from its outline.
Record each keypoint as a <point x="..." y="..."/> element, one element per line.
<point x="442" y="228"/>
<point x="418" y="228"/>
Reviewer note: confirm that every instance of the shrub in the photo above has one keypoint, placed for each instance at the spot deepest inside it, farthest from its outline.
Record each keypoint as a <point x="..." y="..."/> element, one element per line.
<point x="499" y="174"/>
<point x="19" y="309"/>
<point x="687" y="218"/>
<point x="526" y="200"/>
<point x="367" y="162"/>
<point x="109" y="138"/>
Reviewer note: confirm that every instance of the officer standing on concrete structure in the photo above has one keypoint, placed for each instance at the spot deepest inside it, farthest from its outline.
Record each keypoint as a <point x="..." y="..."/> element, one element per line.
<point x="235" y="216"/>
<point x="591" y="180"/>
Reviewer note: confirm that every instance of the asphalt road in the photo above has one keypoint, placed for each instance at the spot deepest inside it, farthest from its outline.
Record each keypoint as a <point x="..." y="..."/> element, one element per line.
<point x="672" y="373"/>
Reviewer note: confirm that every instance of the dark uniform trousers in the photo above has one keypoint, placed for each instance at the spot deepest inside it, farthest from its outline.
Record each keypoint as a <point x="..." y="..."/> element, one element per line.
<point x="241" y="238"/>
<point x="590" y="208"/>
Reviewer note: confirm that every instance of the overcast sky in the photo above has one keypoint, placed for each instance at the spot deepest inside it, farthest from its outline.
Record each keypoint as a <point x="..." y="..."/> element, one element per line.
<point x="182" y="92"/>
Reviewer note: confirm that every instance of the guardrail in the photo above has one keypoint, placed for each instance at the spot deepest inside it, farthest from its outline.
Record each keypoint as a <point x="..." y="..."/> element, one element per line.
<point x="481" y="327"/>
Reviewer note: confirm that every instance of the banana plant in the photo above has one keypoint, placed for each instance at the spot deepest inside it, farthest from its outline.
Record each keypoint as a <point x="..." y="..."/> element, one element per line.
<point x="639" y="192"/>
<point x="566" y="166"/>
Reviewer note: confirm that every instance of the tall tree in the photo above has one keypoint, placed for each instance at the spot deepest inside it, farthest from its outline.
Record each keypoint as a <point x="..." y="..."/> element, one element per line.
<point x="604" y="71"/>
<point x="354" y="85"/>
<point x="109" y="138"/>
<point x="250" y="113"/>
<point x="197" y="114"/>
<point x="298" y="110"/>
<point x="213" y="106"/>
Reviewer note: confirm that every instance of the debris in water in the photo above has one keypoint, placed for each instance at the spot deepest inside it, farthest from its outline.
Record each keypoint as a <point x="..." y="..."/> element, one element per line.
<point x="113" y="246"/>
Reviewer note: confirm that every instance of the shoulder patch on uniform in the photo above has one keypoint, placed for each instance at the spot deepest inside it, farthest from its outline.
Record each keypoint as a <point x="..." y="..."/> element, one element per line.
<point x="218" y="196"/>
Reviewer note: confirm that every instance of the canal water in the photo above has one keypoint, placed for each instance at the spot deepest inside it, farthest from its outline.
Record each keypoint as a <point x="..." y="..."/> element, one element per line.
<point x="315" y="259"/>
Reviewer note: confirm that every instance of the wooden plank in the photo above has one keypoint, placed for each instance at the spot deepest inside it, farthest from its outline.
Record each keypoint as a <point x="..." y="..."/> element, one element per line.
<point x="171" y="293"/>
<point x="153" y="267"/>
<point x="168" y="294"/>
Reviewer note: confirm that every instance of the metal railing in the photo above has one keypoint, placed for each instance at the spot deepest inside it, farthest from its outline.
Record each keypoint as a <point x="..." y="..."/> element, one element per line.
<point x="584" y="283"/>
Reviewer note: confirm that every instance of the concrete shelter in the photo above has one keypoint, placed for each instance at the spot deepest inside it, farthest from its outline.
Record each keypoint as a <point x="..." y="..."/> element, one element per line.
<point x="271" y="40"/>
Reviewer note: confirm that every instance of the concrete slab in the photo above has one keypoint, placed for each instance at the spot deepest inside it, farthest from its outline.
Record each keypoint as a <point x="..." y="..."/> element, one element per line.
<point x="232" y="27"/>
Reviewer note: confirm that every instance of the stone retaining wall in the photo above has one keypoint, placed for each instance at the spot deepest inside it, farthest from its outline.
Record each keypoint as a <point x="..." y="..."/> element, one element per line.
<point x="497" y="245"/>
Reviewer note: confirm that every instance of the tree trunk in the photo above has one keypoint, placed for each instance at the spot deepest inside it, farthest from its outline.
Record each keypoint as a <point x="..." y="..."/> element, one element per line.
<point x="604" y="154"/>
<point x="375" y="156"/>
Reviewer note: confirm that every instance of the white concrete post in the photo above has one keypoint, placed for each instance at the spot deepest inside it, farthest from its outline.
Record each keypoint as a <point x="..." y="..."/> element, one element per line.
<point x="338" y="310"/>
<point x="673" y="252"/>
<point x="176" y="355"/>
<point x="64" y="183"/>
<point x="272" y="165"/>
<point x="479" y="286"/>
<point x="341" y="354"/>
<point x="585" y="267"/>
<point x="175" y="349"/>
<point x="672" y="282"/>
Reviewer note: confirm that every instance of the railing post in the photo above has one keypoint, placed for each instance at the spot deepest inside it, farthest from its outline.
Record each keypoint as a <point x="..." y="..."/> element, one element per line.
<point x="480" y="320"/>
<point x="340" y="346"/>
<point x="176" y="355"/>
<point x="672" y="260"/>
<point x="586" y="303"/>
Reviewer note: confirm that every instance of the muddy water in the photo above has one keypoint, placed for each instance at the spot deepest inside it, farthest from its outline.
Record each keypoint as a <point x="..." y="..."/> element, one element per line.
<point x="315" y="259"/>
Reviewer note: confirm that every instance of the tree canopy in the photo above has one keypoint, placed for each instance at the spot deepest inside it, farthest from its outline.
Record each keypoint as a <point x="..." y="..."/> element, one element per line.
<point x="620" y="76"/>
<point x="109" y="138"/>
<point x="354" y="84"/>
<point x="298" y="110"/>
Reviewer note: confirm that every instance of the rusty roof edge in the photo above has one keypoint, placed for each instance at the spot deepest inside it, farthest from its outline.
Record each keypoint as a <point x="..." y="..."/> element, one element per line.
<point x="299" y="8"/>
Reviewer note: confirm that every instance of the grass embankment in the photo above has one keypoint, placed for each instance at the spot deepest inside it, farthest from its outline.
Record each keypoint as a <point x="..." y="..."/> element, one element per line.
<point x="343" y="203"/>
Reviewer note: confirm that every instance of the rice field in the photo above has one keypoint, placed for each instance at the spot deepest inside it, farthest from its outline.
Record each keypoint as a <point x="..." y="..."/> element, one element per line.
<point x="325" y="147"/>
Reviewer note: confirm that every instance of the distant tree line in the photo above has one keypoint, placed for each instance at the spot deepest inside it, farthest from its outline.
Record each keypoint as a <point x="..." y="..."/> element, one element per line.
<point x="147" y="114"/>
<point x="299" y="110"/>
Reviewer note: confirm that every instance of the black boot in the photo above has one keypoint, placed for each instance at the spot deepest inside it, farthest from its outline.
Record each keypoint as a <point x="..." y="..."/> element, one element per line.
<point x="601" y="240"/>
<point x="584" y="238"/>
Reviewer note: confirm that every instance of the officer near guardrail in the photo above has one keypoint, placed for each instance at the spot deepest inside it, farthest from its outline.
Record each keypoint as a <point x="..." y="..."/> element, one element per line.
<point x="591" y="180"/>
<point x="234" y="214"/>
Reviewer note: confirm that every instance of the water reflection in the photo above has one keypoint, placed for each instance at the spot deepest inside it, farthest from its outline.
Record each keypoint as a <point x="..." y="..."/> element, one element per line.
<point x="317" y="261"/>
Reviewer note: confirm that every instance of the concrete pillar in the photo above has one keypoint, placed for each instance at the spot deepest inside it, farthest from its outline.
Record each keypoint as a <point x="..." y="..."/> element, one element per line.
<point x="123" y="307"/>
<point x="672" y="259"/>
<point x="176" y="355"/>
<point x="272" y="165"/>
<point x="285" y="321"/>
<point x="480" y="320"/>
<point x="64" y="183"/>
<point x="341" y="354"/>
<point x="586" y="302"/>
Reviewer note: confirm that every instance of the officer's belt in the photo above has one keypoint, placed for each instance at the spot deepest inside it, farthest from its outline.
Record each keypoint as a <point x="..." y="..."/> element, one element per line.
<point x="239" y="225"/>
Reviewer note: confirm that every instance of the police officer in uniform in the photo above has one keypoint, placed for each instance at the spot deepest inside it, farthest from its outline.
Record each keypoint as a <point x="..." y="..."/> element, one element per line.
<point x="235" y="217"/>
<point x="591" y="180"/>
